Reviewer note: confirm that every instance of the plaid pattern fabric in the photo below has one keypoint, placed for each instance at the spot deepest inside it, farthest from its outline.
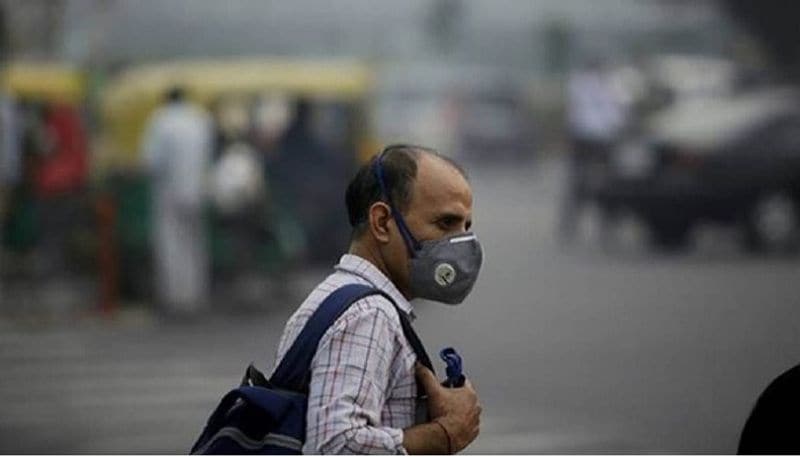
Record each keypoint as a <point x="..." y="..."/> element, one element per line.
<point x="363" y="390"/>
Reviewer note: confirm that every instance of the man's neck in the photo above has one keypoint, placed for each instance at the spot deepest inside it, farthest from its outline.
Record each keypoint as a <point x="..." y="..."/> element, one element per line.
<point x="370" y="254"/>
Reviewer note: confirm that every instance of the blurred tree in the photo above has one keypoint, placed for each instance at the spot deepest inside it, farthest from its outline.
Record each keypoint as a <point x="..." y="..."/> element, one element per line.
<point x="774" y="24"/>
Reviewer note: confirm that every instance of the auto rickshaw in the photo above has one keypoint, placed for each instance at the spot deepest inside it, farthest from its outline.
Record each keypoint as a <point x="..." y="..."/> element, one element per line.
<point x="338" y="93"/>
<point x="129" y="99"/>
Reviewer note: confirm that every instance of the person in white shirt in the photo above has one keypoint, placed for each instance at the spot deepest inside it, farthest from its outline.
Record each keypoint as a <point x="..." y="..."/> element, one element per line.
<point x="595" y="119"/>
<point x="177" y="153"/>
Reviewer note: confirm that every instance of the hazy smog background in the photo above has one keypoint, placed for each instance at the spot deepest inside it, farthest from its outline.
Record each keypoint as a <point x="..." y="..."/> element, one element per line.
<point x="635" y="166"/>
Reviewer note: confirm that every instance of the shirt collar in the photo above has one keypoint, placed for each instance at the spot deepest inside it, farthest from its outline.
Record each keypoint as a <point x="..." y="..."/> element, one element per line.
<point x="363" y="268"/>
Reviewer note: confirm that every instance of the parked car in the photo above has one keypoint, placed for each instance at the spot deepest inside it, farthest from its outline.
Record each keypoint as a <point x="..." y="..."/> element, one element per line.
<point x="732" y="160"/>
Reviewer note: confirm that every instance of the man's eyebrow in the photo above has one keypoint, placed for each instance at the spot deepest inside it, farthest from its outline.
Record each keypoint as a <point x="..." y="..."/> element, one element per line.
<point x="454" y="218"/>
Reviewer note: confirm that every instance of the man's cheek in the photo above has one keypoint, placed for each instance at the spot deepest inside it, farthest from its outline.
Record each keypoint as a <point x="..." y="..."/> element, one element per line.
<point x="432" y="232"/>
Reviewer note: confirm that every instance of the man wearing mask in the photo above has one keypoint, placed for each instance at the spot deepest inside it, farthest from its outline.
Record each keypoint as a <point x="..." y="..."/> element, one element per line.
<point x="410" y="210"/>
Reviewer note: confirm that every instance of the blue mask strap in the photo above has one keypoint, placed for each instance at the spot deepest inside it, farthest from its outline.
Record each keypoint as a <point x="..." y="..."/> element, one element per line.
<point x="411" y="243"/>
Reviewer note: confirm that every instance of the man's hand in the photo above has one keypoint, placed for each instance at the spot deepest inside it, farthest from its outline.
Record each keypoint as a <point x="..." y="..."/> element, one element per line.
<point x="456" y="409"/>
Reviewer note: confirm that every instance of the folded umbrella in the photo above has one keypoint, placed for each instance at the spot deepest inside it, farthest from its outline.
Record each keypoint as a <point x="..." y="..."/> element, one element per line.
<point x="455" y="375"/>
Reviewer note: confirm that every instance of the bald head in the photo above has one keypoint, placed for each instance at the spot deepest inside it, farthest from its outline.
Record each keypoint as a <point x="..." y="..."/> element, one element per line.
<point x="401" y="165"/>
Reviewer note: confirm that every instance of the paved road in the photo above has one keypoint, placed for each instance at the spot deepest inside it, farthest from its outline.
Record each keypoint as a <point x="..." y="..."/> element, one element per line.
<point x="574" y="350"/>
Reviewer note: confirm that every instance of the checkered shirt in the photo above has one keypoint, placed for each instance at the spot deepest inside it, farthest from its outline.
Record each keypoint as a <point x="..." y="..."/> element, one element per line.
<point x="363" y="390"/>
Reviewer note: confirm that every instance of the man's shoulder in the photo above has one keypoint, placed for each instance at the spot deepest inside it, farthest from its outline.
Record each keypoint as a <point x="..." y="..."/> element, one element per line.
<point x="372" y="319"/>
<point x="377" y="302"/>
<point x="372" y="306"/>
<point x="375" y="305"/>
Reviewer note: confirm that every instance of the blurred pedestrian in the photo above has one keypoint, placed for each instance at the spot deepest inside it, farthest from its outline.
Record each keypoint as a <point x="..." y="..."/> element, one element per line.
<point x="177" y="152"/>
<point x="10" y="150"/>
<point x="62" y="168"/>
<point x="307" y="177"/>
<point x="410" y="210"/>
<point x="21" y="226"/>
<point x="238" y="191"/>
<point x="10" y="165"/>
<point x="10" y="147"/>
<point x="595" y="118"/>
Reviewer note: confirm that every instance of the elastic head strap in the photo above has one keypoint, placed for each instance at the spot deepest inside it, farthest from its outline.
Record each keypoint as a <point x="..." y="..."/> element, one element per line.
<point x="411" y="243"/>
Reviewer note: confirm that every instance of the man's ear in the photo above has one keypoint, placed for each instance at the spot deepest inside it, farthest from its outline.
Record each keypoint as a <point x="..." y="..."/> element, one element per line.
<point x="379" y="217"/>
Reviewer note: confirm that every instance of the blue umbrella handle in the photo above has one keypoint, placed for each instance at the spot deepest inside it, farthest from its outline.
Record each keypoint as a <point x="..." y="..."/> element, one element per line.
<point x="455" y="375"/>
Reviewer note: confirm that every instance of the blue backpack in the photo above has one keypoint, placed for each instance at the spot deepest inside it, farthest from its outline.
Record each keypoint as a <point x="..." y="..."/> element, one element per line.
<point x="269" y="416"/>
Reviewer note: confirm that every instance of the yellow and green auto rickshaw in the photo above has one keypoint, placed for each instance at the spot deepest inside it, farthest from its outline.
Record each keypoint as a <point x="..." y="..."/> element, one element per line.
<point x="130" y="98"/>
<point x="338" y="94"/>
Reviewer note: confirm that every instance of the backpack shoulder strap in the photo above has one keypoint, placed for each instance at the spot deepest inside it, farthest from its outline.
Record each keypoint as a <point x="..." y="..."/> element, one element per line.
<point x="293" y="371"/>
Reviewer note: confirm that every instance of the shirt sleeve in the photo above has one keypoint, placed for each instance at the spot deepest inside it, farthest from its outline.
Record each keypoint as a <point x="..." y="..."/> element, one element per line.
<point x="350" y="376"/>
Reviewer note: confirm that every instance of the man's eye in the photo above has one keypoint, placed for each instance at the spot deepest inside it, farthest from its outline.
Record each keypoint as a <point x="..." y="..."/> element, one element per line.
<point x="448" y="223"/>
